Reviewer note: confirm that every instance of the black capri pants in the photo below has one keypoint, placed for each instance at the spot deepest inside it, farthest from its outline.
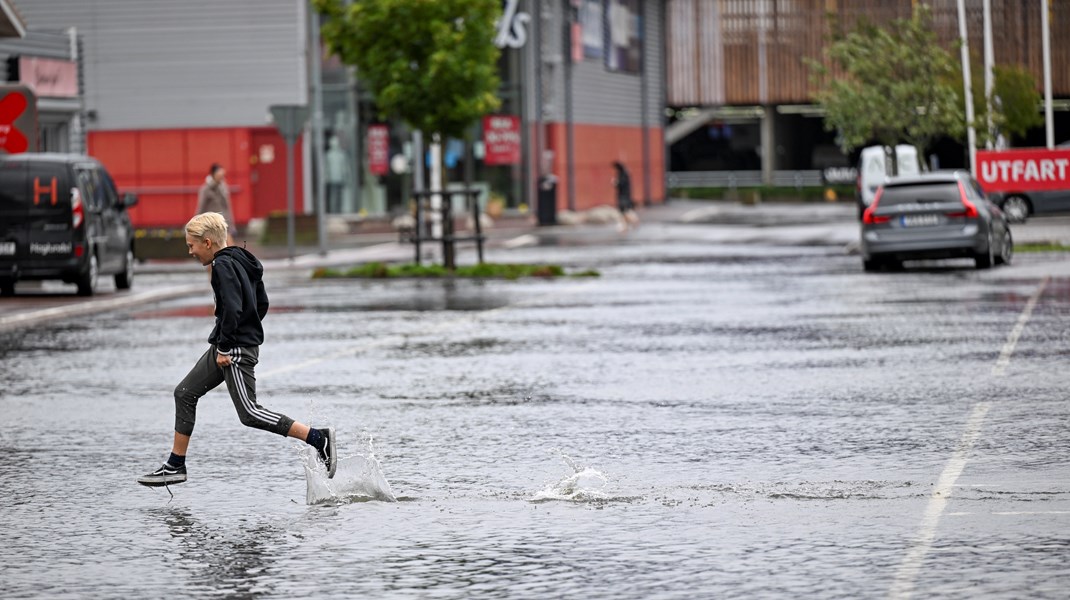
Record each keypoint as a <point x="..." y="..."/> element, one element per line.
<point x="240" y="378"/>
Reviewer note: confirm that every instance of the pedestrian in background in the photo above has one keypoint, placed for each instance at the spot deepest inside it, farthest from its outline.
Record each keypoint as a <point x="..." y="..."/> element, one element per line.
<point x="622" y="182"/>
<point x="241" y="303"/>
<point x="215" y="197"/>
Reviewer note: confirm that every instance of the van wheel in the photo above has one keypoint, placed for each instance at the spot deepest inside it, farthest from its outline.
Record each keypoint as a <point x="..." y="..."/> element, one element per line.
<point x="7" y="287"/>
<point x="125" y="278"/>
<point x="87" y="282"/>
<point x="1016" y="208"/>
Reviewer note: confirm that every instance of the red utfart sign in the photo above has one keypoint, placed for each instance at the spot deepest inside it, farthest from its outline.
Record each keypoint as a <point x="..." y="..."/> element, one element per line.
<point x="1027" y="170"/>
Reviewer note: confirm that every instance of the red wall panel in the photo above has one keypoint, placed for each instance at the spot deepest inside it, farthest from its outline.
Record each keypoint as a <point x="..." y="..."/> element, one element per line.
<point x="166" y="168"/>
<point x="596" y="147"/>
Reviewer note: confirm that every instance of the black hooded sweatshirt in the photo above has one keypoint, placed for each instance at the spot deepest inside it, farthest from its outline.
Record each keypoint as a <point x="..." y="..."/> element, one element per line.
<point x="240" y="299"/>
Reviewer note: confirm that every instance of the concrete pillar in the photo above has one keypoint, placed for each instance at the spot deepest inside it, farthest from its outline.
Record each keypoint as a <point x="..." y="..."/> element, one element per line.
<point x="768" y="142"/>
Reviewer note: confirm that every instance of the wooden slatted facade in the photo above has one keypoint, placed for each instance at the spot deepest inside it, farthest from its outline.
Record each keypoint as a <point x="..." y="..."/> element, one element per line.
<point x="716" y="49"/>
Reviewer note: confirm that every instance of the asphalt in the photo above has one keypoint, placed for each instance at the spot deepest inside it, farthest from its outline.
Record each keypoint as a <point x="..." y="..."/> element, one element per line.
<point x="799" y="224"/>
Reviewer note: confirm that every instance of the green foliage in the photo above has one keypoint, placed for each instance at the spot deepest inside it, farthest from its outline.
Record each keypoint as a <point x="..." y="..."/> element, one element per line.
<point x="432" y="63"/>
<point x="377" y="270"/>
<point x="1015" y="101"/>
<point x="899" y="84"/>
<point x="1042" y="247"/>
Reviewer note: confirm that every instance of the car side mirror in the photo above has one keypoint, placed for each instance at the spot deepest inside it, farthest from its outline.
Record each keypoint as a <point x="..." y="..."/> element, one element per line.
<point x="129" y="200"/>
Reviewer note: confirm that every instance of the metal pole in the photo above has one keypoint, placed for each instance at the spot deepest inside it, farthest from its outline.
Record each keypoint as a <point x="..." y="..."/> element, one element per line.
<point x="644" y="108"/>
<point x="317" y="130"/>
<point x="990" y="63"/>
<point x="566" y="52"/>
<point x="971" y="135"/>
<point x="1045" y="26"/>
<point x="418" y="184"/>
<point x="290" y="197"/>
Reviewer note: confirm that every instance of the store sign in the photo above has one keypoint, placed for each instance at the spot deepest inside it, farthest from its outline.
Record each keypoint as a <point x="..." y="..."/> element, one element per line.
<point x="18" y="119"/>
<point x="513" y="26"/>
<point x="501" y="140"/>
<point x="378" y="149"/>
<point x="49" y="77"/>
<point x="1028" y="170"/>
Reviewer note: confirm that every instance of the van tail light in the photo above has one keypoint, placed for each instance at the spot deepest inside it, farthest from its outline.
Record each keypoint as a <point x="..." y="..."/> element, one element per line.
<point x="871" y="219"/>
<point x="971" y="208"/>
<point x="77" y="209"/>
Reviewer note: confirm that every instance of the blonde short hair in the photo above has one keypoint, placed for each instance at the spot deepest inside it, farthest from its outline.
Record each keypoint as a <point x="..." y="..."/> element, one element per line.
<point x="209" y="226"/>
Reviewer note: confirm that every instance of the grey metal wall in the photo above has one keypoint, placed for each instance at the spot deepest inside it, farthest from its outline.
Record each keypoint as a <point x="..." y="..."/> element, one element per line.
<point x="183" y="63"/>
<point x="600" y="96"/>
<point x="603" y="97"/>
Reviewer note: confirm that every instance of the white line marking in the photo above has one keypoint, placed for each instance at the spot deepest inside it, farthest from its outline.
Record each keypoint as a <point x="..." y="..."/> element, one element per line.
<point x="99" y="304"/>
<point x="903" y="586"/>
<point x="1012" y="339"/>
<point x="1011" y="513"/>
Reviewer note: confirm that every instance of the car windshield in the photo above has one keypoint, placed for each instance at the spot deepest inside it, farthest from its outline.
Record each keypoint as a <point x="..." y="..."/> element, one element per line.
<point x="924" y="193"/>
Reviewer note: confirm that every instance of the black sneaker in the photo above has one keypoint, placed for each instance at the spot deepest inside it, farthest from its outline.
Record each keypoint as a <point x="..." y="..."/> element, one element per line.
<point x="328" y="453"/>
<point x="165" y="475"/>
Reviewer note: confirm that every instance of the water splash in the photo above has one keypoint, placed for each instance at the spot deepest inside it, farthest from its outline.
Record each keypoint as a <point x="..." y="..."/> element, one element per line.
<point x="358" y="478"/>
<point x="583" y="485"/>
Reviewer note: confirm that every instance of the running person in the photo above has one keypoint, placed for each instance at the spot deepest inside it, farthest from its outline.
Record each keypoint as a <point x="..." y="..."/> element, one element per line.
<point x="240" y="304"/>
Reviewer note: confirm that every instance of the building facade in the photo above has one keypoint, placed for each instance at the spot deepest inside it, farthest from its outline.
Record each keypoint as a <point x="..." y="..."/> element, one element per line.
<point x="742" y="94"/>
<point x="172" y="87"/>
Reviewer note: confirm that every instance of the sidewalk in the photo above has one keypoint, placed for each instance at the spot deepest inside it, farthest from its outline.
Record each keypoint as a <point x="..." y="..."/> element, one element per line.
<point x="837" y="224"/>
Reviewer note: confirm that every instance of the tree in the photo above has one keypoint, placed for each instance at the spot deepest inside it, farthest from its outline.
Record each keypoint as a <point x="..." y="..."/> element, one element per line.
<point x="1014" y="103"/>
<point x="899" y="85"/>
<point x="432" y="63"/>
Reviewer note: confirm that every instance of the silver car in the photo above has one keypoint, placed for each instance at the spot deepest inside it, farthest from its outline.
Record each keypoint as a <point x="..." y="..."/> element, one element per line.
<point x="933" y="216"/>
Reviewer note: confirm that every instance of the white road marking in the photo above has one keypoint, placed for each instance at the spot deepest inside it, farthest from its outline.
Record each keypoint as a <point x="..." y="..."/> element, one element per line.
<point x="1011" y="513"/>
<point x="98" y="304"/>
<point x="903" y="586"/>
<point x="1012" y="339"/>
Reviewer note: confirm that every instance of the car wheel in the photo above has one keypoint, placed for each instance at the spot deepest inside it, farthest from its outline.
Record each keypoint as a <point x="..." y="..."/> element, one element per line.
<point x="987" y="258"/>
<point x="871" y="266"/>
<point x="1006" y="252"/>
<point x="1016" y="208"/>
<point x="125" y="279"/>
<point x="87" y="282"/>
<point x="7" y="287"/>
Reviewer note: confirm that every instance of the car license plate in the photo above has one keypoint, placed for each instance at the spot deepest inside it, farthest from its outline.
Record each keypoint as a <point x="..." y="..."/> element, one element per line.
<point x="920" y="220"/>
<point x="7" y="248"/>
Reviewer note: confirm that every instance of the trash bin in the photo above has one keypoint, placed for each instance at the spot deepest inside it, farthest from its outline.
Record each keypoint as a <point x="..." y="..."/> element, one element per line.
<point x="547" y="200"/>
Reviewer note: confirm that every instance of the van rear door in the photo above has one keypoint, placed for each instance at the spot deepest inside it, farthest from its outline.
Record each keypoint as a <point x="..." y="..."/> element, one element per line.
<point x="14" y="209"/>
<point x="35" y="211"/>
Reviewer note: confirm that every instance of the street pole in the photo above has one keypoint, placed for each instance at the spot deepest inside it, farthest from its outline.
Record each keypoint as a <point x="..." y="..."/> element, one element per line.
<point x="1045" y="31"/>
<point x="290" y="183"/>
<point x="290" y="121"/>
<point x="436" y="186"/>
<point x="317" y="129"/>
<point x="971" y="135"/>
<point x="990" y="60"/>
<point x="418" y="184"/>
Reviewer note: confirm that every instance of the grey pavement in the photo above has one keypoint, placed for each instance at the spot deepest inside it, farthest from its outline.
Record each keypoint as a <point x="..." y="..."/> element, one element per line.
<point x="768" y="224"/>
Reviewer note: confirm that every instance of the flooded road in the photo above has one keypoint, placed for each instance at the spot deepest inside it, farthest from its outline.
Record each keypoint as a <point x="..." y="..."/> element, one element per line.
<point x="705" y="419"/>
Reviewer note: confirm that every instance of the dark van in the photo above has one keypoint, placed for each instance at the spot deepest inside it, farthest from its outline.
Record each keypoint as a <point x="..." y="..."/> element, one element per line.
<point x="61" y="217"/>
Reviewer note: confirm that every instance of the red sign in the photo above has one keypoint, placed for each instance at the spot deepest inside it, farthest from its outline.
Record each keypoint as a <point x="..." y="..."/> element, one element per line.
<point x="379" y="149"/>
<point x="18" y="119"/>
<point x="49" y="77"/>
<point x="1026" y="170"/>
<point x="501" y="140"/>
